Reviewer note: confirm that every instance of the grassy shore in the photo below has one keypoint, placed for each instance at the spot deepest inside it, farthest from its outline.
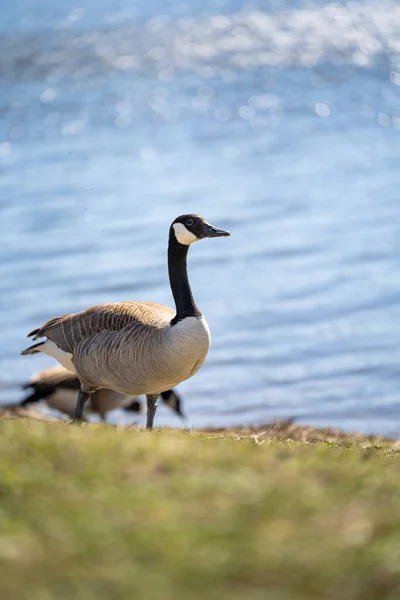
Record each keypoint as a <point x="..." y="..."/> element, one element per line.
<point x="101" y="512"/>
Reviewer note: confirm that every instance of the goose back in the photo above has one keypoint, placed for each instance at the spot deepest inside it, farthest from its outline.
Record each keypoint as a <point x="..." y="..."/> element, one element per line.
<point x="68" y="330"/>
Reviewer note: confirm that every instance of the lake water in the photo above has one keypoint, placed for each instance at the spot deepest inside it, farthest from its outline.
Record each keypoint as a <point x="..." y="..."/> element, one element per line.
<point x="279" y="121"/>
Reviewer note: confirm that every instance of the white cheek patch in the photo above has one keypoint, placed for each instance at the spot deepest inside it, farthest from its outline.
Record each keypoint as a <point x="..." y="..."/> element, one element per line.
<point x="183" y="235"/>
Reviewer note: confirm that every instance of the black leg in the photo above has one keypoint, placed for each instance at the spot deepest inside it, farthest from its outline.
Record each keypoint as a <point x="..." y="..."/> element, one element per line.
<point x="82" y="398"/>
<point x="151" y="409"/>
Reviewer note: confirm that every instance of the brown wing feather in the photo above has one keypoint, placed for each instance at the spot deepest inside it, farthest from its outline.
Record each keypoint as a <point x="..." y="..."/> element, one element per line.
<point x="68" y="330"/>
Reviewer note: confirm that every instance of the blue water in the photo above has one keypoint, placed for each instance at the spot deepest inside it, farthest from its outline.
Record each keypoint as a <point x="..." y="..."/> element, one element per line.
<point x="278" y="121"/>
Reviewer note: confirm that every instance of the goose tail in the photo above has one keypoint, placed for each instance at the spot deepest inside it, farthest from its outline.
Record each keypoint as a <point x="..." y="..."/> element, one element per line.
<point x="34" y="332"/>
<point x="33" y="349"/>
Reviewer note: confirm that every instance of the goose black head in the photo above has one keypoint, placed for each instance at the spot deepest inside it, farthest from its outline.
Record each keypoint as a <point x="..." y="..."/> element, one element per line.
<point x="135" y="406"/>
<point x="170" y="398"/>
<point x="192" y="228"/>
<point x="173" y="401"/>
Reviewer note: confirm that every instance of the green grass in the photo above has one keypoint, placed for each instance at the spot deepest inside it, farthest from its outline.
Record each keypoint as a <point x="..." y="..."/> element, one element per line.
<point x="97" y="513"/>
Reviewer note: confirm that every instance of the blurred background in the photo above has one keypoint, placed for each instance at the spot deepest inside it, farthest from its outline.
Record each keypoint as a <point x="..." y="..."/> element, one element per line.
<point x="279" y="121"/>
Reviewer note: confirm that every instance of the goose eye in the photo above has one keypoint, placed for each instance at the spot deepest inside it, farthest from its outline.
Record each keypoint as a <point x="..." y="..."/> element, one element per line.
<point x="189" y="221"/>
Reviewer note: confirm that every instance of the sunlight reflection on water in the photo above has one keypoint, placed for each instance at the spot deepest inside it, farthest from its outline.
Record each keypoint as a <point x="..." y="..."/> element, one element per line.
<point x="279" y="123"/>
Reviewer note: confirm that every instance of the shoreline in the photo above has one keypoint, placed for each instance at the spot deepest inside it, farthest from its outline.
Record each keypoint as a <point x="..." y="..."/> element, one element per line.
<point x="285" y="429"/>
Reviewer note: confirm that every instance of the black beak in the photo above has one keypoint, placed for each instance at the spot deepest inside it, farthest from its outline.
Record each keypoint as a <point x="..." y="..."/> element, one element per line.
<point x="211" y="231"/>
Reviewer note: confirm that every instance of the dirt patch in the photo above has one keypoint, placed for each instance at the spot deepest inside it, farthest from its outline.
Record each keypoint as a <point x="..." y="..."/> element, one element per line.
<point x="288" y="430"/>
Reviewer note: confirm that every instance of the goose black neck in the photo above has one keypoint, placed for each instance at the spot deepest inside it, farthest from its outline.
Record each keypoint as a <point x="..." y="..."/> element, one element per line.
<point x="179" y="281"/>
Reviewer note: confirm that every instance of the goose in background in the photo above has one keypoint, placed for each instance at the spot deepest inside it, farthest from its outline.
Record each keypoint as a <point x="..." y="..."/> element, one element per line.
<point x="59" y="390"/>
<point x="132" y="347"/>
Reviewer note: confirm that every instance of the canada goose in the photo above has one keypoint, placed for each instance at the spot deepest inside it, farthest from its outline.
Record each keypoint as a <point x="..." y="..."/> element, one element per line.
<point x="59" y="389"/>
<point x="132" y="347"/>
